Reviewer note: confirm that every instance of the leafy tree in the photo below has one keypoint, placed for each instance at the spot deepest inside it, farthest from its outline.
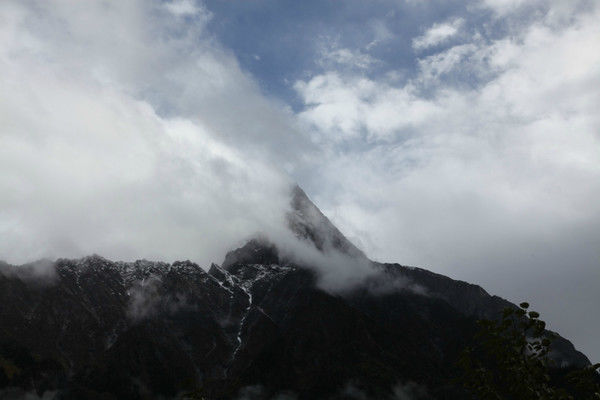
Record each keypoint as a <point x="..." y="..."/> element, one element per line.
<point x="510" y="362"/>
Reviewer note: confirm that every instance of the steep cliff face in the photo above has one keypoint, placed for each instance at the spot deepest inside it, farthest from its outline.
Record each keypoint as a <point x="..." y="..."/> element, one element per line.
<point x="309" y="223"/>
<point x="258" y="326"/>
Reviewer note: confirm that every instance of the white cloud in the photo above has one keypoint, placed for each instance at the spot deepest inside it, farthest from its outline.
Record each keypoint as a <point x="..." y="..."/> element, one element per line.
<point x="467" y="56"/>
<point x="518" y="13"/>
<point x="438" y="34"/>
<point x="504" y="6"/>
<point x="345" y="108"/>
<point x="120" y="139"/>
<point x="184" y="8"/>
<point x="381" y="33"/>
<point x="347" y="57"/>
<point x="334" y="56"/>
<point x="532" y="124"/>
<point x="485" y="180"/>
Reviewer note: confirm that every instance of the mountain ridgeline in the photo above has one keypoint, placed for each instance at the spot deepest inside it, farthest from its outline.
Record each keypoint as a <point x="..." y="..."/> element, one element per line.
<point x="260" y="326"/>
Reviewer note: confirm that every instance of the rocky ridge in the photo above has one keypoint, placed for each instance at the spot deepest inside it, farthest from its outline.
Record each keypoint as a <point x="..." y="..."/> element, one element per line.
<point x="257" y="326"/>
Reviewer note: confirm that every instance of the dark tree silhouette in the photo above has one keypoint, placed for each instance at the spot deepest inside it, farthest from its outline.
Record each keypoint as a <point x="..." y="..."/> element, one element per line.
<point x="510" y="361"/>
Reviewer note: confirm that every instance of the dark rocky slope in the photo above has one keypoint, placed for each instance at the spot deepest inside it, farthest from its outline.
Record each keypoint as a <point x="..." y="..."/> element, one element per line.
<point x="260" y="326"/>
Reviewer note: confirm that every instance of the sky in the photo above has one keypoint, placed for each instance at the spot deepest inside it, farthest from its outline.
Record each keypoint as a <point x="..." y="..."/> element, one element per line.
<point x="458" y="136"/>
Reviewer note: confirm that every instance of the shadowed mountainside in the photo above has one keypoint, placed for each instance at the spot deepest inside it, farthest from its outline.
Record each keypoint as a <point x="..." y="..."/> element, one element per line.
<point x="258" y="326"/>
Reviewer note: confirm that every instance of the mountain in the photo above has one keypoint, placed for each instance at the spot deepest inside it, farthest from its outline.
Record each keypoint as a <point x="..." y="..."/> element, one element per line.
<point x="259" y="326"/>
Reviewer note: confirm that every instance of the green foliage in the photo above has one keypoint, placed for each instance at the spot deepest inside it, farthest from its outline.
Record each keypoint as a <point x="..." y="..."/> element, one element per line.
<point x="9" y="368"/>
<point x="510" y="362"/>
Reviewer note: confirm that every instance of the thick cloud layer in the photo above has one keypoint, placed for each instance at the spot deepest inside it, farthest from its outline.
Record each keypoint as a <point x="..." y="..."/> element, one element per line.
<point x="126" y="132"/>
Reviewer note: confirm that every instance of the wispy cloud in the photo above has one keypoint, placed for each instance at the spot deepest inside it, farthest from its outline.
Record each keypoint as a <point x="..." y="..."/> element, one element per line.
<point x="184" y="8"/>
<point x="438" y="34"/>
<point x="347" y="57"/>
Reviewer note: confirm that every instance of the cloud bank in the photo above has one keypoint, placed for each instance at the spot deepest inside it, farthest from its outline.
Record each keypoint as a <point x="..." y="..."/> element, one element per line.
<point x="128" y="133"/>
